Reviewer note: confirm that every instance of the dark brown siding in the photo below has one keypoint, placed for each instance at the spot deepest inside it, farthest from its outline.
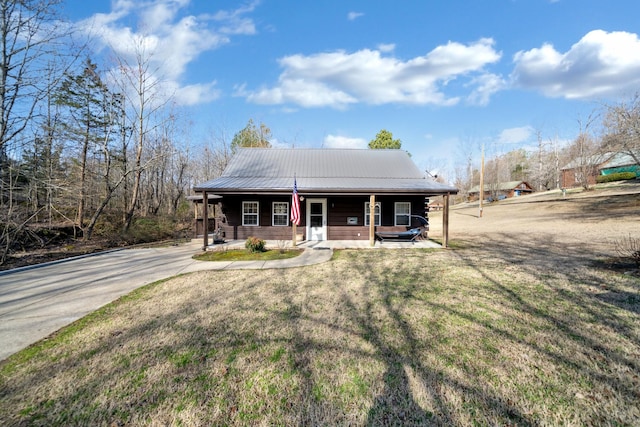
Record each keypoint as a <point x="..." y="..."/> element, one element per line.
<point x="232" y="227"/>
<point x="348" y="232"/>
<point x="339" y="209"/>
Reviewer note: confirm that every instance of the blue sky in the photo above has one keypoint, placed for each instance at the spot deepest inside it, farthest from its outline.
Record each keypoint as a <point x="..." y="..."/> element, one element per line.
<point x="440" y="75"/>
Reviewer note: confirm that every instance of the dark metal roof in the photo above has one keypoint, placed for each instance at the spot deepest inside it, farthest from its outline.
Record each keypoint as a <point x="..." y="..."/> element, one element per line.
<point x="271" y="170"/>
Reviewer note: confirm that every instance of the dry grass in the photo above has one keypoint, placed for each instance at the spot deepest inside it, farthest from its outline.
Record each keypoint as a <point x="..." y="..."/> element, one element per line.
<point x="503" y="330"/>
<point x="371" y="338"/>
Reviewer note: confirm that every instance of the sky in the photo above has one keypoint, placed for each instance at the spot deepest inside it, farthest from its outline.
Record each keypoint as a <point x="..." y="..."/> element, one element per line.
<point x="445" y="77"/>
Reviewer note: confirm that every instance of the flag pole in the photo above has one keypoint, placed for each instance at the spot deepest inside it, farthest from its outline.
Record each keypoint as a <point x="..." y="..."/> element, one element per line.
<point x="295" y="211"/>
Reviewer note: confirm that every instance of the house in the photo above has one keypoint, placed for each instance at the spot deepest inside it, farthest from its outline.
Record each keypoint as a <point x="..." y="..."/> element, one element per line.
<point x="501" y="190"/>
<point x="336" y="189"/>
<point x="620" y="162"/>
<point x="593" y="166"/>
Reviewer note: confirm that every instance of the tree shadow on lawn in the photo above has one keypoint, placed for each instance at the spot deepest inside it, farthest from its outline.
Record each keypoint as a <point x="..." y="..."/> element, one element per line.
<point x="549" y="262"/>
<point x="199" y="348"/>
<point x="399" y="352"/>
<point x="582" y="305"/>
<point x="397" y="404"/>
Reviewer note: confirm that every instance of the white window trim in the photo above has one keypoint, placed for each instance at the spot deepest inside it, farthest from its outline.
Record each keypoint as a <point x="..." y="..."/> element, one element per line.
<point x="273" y="214"/>
<point x="395" y="213"/>
<point x="377" y="218"/>
<point x="257" y="214"/>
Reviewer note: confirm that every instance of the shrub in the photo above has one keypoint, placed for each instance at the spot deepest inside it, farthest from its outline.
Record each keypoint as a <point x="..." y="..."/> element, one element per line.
<point x="149" y="229"/>
<point x="619" y="176"/>
<point x="629" y="248"/>
<point x="253" y="244"/>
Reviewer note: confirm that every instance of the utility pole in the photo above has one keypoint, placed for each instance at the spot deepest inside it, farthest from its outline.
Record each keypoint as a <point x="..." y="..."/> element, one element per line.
<point x="481" y="192"/>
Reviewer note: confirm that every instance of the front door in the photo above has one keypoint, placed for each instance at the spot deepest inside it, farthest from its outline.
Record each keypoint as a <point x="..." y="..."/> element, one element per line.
<point x="316" y="219"/>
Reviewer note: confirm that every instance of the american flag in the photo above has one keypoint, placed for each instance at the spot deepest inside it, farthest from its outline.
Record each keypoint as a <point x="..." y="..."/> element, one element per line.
<point x="295" y="204"/>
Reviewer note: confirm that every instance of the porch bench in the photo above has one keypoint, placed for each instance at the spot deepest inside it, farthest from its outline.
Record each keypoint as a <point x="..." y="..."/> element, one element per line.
<point x="399" y="236"/>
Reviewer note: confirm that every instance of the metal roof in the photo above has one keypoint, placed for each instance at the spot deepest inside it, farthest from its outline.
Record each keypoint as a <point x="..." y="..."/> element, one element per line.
<point x="619" y="160"/>
<point x="603" y="161"/>
<point x="344" y="171"/>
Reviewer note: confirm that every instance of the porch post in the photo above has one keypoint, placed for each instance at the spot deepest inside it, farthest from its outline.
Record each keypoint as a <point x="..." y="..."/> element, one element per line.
<point x="445" y="222"/>
<point x="372" y="222"/>
<point x="205" y="219"/>
<point x="293" y="239"/>
<point x="196" y="211"/>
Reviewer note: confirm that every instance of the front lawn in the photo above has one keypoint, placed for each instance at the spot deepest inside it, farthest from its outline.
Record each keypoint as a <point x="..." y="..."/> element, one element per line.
<point x="472" y="336"/>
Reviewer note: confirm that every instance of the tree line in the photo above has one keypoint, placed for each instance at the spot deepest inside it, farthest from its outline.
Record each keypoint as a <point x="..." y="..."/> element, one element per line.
<point x="609" y="129"/>
<point x="88" y="152"/>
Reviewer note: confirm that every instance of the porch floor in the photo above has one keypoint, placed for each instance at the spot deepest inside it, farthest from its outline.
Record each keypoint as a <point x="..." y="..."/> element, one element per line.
<point x="335" y="244"/>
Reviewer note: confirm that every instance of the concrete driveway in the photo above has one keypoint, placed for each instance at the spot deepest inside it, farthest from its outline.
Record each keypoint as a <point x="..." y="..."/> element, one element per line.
<point x="36" y="302"/>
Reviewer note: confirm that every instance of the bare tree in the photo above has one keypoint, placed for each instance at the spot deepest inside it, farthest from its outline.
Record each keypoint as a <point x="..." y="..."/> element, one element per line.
<point x="141" y="87"/>
<point x="111" y="182"/>
<point x="622" y="126"/>
<point x="465" y="173"/>
<point x="538" y="177"/>
<point x="585" y="153"/>
<point x="549" y="173"/>
<point x="29" y="36"/>
<point x="210" y="159"/>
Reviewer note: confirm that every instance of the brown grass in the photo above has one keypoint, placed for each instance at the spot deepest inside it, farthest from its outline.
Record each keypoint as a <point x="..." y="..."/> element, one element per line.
<point x="501" y="331"/>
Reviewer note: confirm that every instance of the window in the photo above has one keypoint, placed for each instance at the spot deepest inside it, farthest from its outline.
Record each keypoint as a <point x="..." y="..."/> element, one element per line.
<point x="403" y="213"/>
<point x="376" y="215"/>
<point x="280" y="213"/>
<point x="250" y="213"/>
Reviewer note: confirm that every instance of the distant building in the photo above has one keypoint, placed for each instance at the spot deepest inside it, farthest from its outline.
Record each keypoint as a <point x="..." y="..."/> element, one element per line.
<point x="620" y="162"/>
<point x="593" y="166"/>
<point x="502" y="190"/>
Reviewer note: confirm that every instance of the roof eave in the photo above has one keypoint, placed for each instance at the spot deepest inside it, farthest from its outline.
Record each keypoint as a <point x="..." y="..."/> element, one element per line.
<point x="319" y="191"/>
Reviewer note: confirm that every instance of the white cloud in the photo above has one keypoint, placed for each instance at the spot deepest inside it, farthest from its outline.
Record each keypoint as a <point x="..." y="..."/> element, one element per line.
<point x="336" y="141"/>
<point x="386" y="47"/>
<point x="337" y="79"/>
<point x="299" y="92"/>
<point x="485" y="86"/>
<point x="601" y="64"/>
<point x="352" y="16"/>
<point x="515" y="135"/>
<point x="196" y="94"/>
<point x="170" y="39"/>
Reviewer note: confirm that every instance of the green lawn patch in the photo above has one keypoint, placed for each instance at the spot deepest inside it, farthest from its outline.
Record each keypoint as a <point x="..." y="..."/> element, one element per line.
<point x="245" y="255"/>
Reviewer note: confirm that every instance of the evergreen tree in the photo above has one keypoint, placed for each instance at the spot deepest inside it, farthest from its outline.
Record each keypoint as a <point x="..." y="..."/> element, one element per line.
<point x="82" y="97"/>
<point x="384" y="140"/>
<point x="252" y="136"/>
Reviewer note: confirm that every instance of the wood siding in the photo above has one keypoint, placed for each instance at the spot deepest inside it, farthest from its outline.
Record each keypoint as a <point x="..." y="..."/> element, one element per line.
<point x="339" y="210"/>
